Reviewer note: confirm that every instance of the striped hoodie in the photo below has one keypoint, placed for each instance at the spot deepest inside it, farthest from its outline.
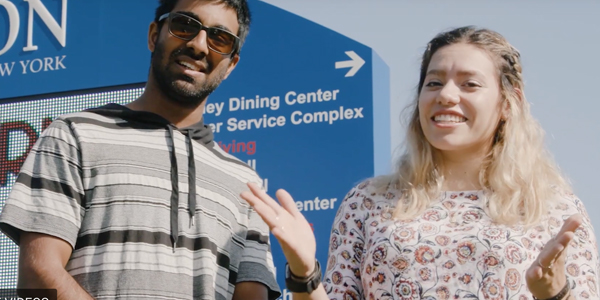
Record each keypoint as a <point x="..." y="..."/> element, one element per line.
<point x="152" y="211"/>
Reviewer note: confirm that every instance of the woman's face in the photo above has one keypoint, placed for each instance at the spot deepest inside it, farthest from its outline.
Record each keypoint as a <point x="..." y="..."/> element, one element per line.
<point x="460" y="101"/>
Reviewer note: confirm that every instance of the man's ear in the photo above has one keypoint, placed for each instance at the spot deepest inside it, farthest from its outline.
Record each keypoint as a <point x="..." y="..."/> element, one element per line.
<point x="234" y="61"/>
<point x="152" y="36"/>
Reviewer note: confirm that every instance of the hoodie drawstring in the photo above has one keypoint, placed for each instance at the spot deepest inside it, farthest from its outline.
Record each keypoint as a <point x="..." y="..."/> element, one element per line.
<point x="174" y="191"/>
<point x="175" y="185"/>
<point x="191" y="179"/>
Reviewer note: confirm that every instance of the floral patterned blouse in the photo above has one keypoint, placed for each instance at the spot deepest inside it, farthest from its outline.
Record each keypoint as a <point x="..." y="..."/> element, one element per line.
<point x="452" y="251"/>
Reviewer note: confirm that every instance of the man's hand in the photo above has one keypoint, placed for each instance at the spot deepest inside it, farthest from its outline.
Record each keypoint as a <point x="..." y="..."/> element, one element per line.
<point x="250" y="290"/>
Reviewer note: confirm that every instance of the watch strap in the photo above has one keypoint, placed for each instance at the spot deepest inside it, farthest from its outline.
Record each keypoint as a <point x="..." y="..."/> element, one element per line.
<point x="561" y="295"/>
<point x="308" y="284"/>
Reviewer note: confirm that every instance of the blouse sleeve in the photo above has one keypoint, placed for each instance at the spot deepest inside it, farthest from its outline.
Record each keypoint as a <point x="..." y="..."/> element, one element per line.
<point x="582" y="263"/>
<point x="342" y="278"/>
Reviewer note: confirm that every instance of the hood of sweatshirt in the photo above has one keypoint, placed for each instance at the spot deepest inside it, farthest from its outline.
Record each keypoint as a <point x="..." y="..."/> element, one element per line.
<point x="197" y="132"/>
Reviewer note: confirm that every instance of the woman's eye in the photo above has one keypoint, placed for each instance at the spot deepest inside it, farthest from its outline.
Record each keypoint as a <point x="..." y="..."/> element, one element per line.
<point x="433" y="83"/>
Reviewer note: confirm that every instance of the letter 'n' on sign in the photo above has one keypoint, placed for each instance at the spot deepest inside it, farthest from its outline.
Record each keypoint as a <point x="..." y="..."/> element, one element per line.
<point x="35" y="6"/>
<point x="59" y="31"/>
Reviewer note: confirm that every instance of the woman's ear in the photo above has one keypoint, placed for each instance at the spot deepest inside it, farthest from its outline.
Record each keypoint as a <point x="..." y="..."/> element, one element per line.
<point x="519" y="94"/>
<point x="506" y="104"/>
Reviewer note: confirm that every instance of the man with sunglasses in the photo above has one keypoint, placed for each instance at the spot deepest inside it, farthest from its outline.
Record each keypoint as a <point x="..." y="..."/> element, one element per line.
<point x="137" y="201"/>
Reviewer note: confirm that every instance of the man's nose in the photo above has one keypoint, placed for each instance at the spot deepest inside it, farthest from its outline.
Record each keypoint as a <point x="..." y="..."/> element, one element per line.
<point x="199" y="43"/>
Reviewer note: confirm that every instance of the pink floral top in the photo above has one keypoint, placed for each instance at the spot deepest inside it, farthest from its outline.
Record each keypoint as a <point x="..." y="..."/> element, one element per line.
<point x="452" y="251"/>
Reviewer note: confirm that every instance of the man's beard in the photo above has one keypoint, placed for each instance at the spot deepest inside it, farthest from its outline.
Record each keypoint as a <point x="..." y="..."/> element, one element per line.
<point x="167" y="81"/>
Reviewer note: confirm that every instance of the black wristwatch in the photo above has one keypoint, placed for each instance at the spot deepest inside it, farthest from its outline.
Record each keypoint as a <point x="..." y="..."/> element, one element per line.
<point x="308" y="284"/>
<point x="561" y="295"/>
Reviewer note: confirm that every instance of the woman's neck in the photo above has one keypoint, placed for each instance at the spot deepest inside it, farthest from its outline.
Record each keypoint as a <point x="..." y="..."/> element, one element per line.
<point x="461" y="172"/>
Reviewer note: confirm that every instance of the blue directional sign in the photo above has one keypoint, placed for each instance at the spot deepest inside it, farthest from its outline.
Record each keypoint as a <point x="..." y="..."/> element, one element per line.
<point x="307" y="107"/>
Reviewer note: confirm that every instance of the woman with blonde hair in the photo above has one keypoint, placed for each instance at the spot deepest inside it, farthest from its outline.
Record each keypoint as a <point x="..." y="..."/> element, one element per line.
<point x="476" y="208"/>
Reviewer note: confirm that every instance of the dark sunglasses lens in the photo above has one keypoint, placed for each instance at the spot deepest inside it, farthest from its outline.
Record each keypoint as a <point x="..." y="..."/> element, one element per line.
<point x="184" y="27"/>
<point x="221" y="40"/>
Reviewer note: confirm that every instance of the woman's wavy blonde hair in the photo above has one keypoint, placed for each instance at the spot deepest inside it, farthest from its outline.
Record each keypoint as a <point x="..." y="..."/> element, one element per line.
<point x="518" y="175"/>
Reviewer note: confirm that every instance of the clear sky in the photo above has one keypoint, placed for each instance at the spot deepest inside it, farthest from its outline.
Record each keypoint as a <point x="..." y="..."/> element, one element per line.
<point x="559" y="42"/>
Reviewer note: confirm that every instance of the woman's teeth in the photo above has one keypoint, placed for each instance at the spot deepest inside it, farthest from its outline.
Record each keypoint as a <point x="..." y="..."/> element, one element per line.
<point x="449" y="118"/>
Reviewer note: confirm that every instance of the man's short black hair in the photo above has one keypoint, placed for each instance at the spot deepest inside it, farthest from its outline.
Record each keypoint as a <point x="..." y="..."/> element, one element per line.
<point x="240" y="7"/>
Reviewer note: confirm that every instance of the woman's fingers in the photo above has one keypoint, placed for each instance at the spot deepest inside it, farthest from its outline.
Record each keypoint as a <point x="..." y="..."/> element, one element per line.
<point x="270" y="211"/>
<point x="554" y="249"/>
<point x="553" y="254"/>
<point x="261" y="208"/>
<point x="287" y="202"/>
<point x="265" y="198"/>
<point x="571" y="224"/>
<point x="287" y="224"/>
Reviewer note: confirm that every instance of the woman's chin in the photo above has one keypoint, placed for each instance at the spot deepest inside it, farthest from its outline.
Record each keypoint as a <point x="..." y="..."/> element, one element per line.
<point x="445" y="145"/>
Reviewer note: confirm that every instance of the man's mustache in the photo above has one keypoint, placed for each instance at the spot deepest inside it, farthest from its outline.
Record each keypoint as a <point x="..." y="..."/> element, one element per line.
<point x="186" y="51"/>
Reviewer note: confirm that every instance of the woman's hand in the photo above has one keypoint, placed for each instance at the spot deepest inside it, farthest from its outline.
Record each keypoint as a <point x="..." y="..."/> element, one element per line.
<point x="546" y="276"/>
<point x="288" y="225"/>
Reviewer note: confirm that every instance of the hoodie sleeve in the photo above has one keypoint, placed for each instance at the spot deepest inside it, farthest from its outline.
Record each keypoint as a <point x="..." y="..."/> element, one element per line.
<point x="257" y="260"/>
<point x="47" y="196"/>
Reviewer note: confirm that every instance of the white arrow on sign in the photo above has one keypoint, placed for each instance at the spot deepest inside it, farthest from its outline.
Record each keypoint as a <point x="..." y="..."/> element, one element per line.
<point x="355" y="64"/>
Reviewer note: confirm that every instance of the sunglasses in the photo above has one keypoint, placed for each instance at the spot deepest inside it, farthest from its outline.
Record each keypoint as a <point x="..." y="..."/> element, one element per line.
<point x="187" y="28"/>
